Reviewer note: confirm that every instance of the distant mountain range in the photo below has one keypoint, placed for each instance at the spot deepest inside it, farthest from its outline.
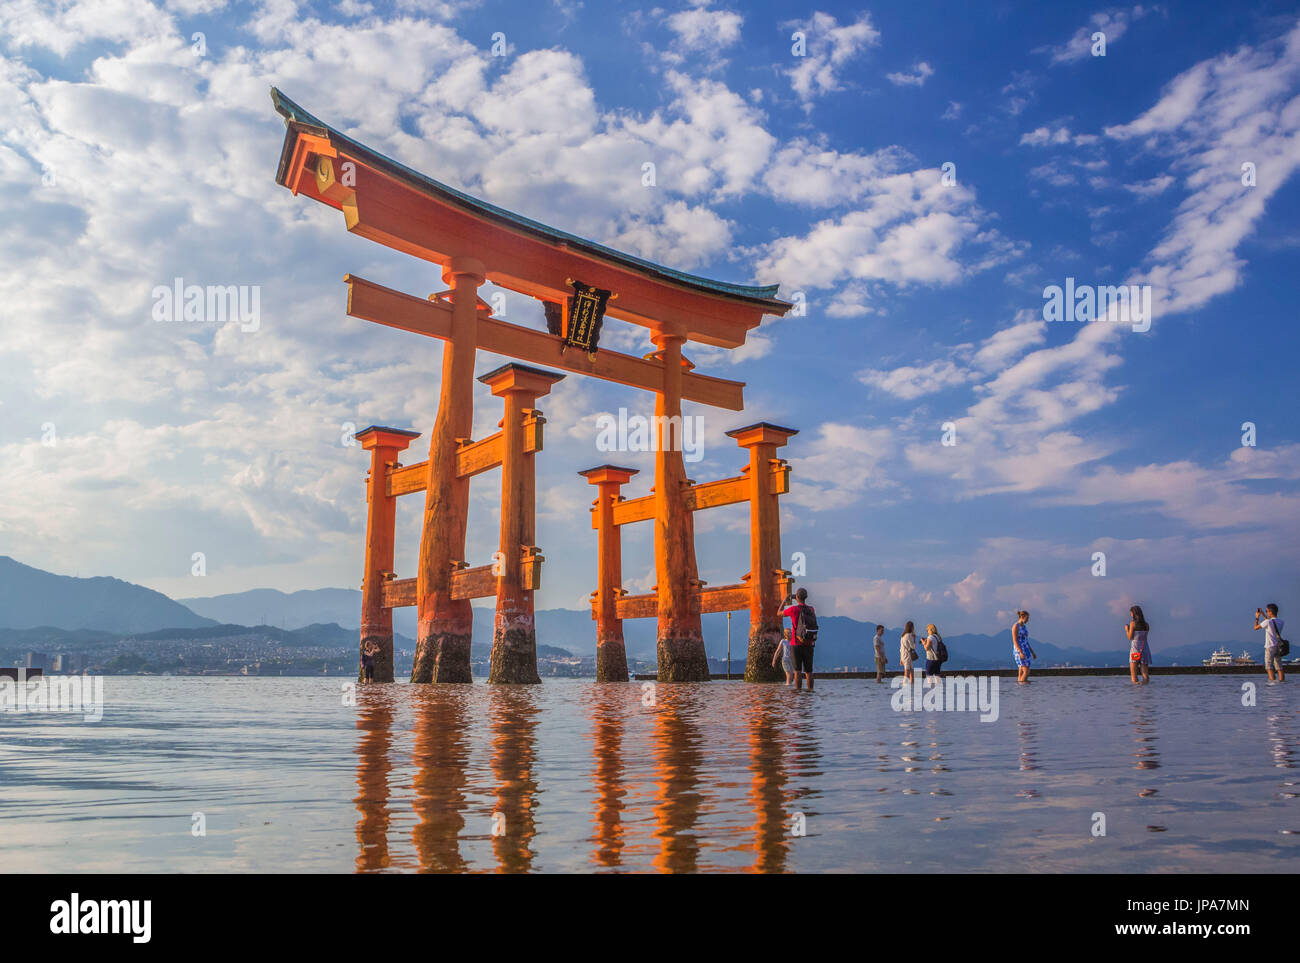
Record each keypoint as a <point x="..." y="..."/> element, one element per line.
<point x="30" y="597"/>
<point x="291" y="610"/>
<point x="86" y="608"/>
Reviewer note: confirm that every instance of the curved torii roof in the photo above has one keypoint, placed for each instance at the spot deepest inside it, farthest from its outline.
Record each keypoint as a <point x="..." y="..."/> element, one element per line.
<point x="409" y="211"/>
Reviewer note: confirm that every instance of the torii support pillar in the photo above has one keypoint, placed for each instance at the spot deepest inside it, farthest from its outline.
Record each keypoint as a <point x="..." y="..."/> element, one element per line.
<point x="767" y="579"/>
<point x="384" y="445"/>
<point x="514" y="635"/>
<point x="445" y="623"/>
<point x="611" y="656"/>
<point x="680" y="648"/>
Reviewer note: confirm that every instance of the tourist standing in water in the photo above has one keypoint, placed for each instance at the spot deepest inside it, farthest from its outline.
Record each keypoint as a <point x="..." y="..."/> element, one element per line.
<point x="803" y="636"/>
<point x="786" y="656"/>
<point x="907" y="651"/>
<point x="1273" y="653"/>
<point x="1020" y="649"/>
<point x="1138" y="653"/>
<point x="368" y="661"/>
<point x="935" y="653"/>
<point x="881" y="661"/>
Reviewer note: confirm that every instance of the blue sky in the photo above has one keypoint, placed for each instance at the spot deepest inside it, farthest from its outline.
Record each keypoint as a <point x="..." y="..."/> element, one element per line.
<point x="131" y="154"/>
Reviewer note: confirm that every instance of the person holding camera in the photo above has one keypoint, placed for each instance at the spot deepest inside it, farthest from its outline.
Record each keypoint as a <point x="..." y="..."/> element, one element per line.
<point x="1275" y="647"/>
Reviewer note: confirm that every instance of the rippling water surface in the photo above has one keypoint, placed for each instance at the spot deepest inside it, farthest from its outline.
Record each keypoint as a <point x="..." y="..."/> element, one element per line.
<point x="574" y="776"/>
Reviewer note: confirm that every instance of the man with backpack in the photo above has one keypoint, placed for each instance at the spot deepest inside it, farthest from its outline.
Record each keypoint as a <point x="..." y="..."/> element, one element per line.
<point x="1275" y="647"/>
<point x="803" y="636"/>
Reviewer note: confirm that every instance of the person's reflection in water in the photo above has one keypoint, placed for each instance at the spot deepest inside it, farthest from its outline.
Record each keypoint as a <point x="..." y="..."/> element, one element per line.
<point x="1027" y="734"/>
<point x="513" y="710"/>
<point x="1147" y="755"/>
<point x="768" y="738"/>
<point x="1281" y="743"/>
<point x="803" y="761"/>
<point x="679" y="755"/>
<point x="1281" y="750"/>
<point x="375" y="724"/>
<point x="440" y="755"/>
<point x="608" y="704"/>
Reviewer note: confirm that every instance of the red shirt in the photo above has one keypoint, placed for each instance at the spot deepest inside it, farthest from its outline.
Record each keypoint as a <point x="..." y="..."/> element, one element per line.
<point x="793" y="612"/>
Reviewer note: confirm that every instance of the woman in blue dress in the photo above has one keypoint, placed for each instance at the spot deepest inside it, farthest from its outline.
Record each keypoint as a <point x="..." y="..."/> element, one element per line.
<point x="1020" y="649"/>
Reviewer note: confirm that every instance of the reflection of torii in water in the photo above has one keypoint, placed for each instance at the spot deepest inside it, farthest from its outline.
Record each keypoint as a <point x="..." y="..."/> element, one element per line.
<point x="473" y="241"/>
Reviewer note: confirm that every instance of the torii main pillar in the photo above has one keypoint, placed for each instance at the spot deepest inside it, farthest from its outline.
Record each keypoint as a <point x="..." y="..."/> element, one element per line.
<point x="445" y="623"/>
<point x="514" y="636"/>
<point x="680" y="647"/>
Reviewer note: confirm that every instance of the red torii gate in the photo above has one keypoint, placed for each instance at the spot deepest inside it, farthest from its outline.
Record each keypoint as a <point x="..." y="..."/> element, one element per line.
<point x="473" y="241"/>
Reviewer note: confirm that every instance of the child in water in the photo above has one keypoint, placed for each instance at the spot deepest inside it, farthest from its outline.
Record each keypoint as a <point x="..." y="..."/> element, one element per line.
<point x="786" y="656"/>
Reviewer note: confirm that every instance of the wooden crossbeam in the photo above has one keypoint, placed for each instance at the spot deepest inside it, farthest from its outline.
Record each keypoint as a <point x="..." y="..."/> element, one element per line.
<point x="472" y="459"/>
<point x="637" y="606"/>
<point x="466" y="583"/>
<point x="374" y="302"/>
<point x="725" y="491"/>
<point x="721" y="598"/>
<point x="473" y="583"/>
<point x="399" y="592"/>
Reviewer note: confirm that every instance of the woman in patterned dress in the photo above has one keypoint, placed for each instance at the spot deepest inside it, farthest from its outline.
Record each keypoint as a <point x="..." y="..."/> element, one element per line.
<point x="1020" y="650"/>
<point x="1138" y="652"/>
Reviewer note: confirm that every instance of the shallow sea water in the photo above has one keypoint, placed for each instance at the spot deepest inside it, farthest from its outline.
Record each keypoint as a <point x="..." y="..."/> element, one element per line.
<point x="574" y="776"/>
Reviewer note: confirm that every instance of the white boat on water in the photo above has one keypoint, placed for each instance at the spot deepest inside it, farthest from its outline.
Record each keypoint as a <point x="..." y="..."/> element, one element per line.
<point x="1221" y="657"/>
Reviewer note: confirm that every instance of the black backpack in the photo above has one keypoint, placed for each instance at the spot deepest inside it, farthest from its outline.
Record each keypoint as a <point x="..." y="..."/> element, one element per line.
<point x="940" y="650"/>
<point x="1283" y="646"/>
<point x="806" y="628"/>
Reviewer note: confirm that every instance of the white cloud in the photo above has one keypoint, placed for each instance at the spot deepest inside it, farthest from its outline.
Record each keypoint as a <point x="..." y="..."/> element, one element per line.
<point x="909" y="229"/>
<point x="920" y="73"/>
<point x="909" y="382"/>
<point x="1043" y="136"/>
<point x="803" y="173"/>
<point x="699" y="28"/>
<point x="863" y="598"/>
<point x="833" y="468"/>
<point x="1234" y="109"/>
<point x="827" y="48"/>
<point x="1152" y="187"/>
<point x="1113" y="23"/>
<point x="717" y="141"/>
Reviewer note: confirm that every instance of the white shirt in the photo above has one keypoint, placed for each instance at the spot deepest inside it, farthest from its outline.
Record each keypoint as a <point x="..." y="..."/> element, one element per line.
<point x="880" y="645"/>
<point x="907" y="647"/>
<point x="1272" y="632"/>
